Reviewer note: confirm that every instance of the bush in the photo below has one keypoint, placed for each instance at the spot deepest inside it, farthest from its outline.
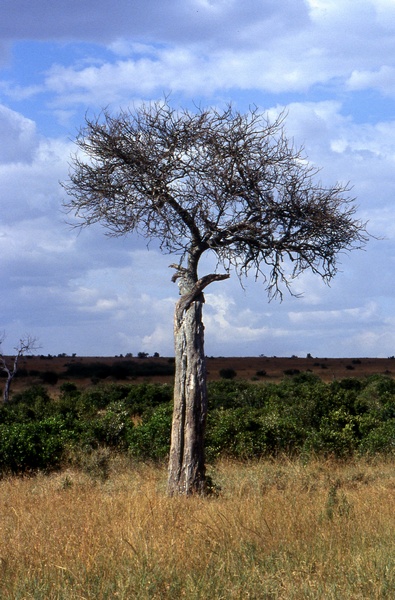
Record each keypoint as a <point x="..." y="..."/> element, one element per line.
<point x="68" y="388"/>
<point x="299" y="414"/>
<point x="32" y="404"/>
<point x="227" y="373"/>
<point x="261" y="373"/>
<point x="246" y="433"/>
<point x="119" y="369"/>
<point x="111" y="427"/>
<point x="146" y="396"/>
<point x="335" y="437"/>
<point x="49" y="377"/>
<point x="32" y="446"/>
<point x="230" y="394"/>
<point x="380" y="440"/>
<point x="151" y="439"/>
<point x="291" y="372"/>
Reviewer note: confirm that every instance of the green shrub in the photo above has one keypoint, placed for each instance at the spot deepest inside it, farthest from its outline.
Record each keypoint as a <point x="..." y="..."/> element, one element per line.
<point x="247" y="433"/>
<point x="299" y="414"/>
<point x="378" y="397"/>
<point x="151" y="439"/>
<point x="32" y="404"/>
<point x="112" y="426"/>
<point x="32" y="446"/>
<point x="227" y="373"/>
<point x="232" y="394"/>
<point x="336" y="436"/>
<point x="68" y="388"/>
<point x="380" y="440"/>
<point x="49" y="377"/>
<point x="291" y="372"/>
<point x="145" y="396"/>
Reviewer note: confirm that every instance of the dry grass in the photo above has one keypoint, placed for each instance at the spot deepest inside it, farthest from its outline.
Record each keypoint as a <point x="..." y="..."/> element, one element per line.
<point x="277" y="530"/>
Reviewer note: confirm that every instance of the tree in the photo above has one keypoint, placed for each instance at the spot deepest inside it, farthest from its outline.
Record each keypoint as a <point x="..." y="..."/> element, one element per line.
<point x="26" y="345"/>
<point x="208" y="181"/>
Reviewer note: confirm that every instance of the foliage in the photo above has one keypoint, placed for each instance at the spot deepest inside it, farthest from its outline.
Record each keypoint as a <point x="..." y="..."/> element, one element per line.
<point x="227" y="373"/>
<point x="146" y="396"/>
<point x="300" y="415"/>
<point x="245" y="433"/>
<point x="118" y="370"/>
<point x="151" y="438"/>
<point x="30" y="446"/>
<point x="380" y="440"/>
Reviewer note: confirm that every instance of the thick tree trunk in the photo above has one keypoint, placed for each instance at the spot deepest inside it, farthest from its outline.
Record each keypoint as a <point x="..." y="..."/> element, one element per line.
<point x="187" y="471"/>
<point x="187" y="464"/>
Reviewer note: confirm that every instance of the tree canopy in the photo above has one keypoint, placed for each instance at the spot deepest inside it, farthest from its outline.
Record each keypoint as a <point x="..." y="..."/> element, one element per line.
<point x="222" y="181"/>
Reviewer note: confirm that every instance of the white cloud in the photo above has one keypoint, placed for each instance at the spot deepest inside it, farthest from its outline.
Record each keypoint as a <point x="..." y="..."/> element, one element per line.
<point x="18" y="137"/>
<point x="382" y="79"/>
<point x="334" y="317"/>
<point x="201" y="48"/>
<point x="226" y="323"/>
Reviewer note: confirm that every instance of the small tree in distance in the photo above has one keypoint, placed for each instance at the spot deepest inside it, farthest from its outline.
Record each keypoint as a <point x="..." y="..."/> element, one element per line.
<point x="26" y="345"/>
<point x="210" y="181"/>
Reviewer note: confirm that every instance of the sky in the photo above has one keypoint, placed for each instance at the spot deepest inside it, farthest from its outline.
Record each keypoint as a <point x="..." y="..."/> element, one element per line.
<point x="329" y="63"/>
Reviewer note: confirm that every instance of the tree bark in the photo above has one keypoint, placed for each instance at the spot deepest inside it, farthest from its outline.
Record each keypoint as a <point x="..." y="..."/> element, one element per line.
<point x="6" y="393"/>
<point x="187" y="472"/>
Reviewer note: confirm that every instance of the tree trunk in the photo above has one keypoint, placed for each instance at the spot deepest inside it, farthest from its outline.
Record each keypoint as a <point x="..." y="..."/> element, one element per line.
<point x="187" y="465"/>
<point x="6" y="394"/>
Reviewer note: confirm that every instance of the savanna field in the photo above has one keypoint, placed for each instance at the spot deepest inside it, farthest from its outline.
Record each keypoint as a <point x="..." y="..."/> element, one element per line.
<point x="277" y="529"/>
<point x="302" y="478"/>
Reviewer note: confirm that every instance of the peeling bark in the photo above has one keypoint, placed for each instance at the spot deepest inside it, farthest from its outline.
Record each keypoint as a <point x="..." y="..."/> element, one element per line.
<point x="186" y="464"/>
<point x="187" y="472"/>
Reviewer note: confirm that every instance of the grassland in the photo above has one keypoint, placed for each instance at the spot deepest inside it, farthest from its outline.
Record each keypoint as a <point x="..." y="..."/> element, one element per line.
<point x="278" y="529"/>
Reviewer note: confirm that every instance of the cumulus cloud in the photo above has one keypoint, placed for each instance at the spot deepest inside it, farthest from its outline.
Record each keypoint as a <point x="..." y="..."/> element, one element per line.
<point x="202" y="48"/>
<point x="364" y="313"/>
<point x="382" y="79"/>
<point x="18" y="137"/>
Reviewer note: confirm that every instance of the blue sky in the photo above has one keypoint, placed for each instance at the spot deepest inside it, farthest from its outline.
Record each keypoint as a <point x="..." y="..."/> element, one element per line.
<point x="329" y="63"/>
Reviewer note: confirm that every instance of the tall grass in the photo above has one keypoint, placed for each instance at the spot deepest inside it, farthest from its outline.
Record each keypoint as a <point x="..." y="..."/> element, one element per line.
<point x="276" y="529"/>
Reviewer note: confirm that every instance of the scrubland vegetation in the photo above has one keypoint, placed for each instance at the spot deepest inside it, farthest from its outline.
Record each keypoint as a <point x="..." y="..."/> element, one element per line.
<point x="302" y="476"/>
<point x="300" y="416"/>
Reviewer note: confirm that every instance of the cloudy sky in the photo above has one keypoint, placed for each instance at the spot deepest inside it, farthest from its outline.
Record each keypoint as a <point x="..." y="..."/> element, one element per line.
<point x="330" y="63"/>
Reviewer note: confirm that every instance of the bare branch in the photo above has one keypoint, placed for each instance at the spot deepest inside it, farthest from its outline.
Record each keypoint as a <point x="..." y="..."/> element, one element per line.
<point x="223" y="181"/>
<point x="26" y="345"/>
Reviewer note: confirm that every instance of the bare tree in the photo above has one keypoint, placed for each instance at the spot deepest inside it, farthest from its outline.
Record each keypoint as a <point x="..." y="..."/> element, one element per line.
<point x="26" y="345"/>
<point x="224" y="182"/>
